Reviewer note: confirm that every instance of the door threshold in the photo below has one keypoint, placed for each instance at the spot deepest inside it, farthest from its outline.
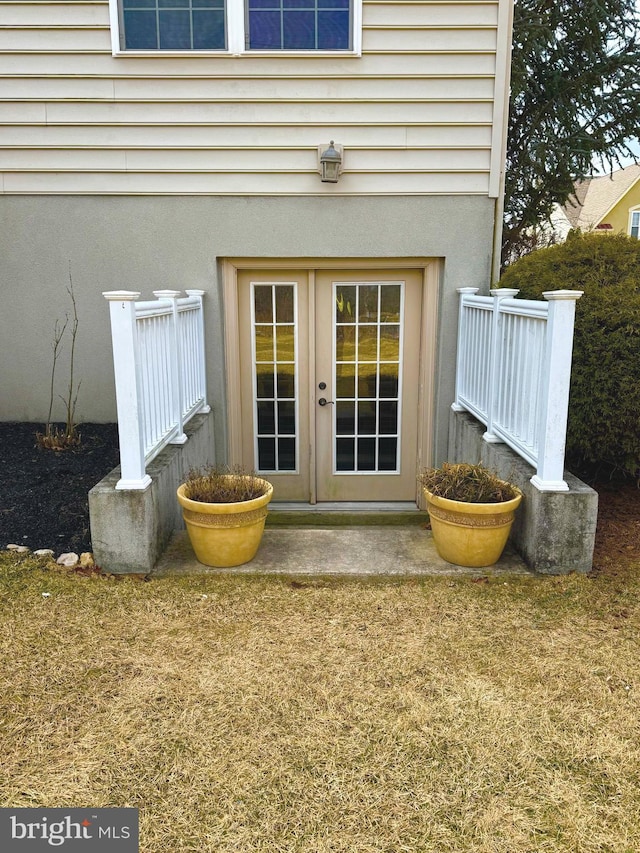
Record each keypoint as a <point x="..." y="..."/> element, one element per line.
<point x="344" y="514"/>
<point x="344" y="506"/>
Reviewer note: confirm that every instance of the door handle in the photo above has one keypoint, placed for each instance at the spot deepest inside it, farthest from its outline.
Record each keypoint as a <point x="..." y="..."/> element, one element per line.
<point x="323" y="402"/>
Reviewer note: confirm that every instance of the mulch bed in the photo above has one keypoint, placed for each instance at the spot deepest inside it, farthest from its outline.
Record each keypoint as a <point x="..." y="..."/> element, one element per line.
<point x="44" y="504"/>
<point x="618" y="532"/>
<point x="43" y="493"/>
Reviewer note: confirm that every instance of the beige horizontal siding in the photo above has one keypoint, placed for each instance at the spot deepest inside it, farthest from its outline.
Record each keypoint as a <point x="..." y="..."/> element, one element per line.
<point x="53" y="14"/>
<point x="243" y="89"/>
<point x="458" y="137"/>
<point x="37" y="39"/>
<point x="431" y="14"/>
<point x="329" y="112"/>
<point x="232" y="160"/>
<point x="257" y="183"/>
<point x="414" y="112"/>
<point x="406" y="39"/>
<point x="378" y="65"/>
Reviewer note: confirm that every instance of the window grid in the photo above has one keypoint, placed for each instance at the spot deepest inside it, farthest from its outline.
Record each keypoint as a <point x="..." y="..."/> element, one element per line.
<point x="367" y="448"/>
<point x="223" y="26"/>
<point x="298" y="25"/>
<point x="275" y="377"/>
<point x="173" y="24"/>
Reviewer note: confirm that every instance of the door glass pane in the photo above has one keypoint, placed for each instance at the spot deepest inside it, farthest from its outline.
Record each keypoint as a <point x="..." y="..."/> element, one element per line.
<point x="389" y="380"/>
<point x="286" y="417"/>
<point x="345" y="418"/>
<point x="367" y="343"/>
<point x="345" y="303"/>
<point x="286" y="383"/>
<point x="266" y="417"/>
<point x="285" y="336"/>
<point x="387" y="452"/>
<point x="368" y="303"/>
<point x="263" y="303"/>
<point x="274" y="342"/>
<point x="388" y="417"/>
<point x="264" y="343"/>
<point x="367" y="380"/>
<point x="266" y="453"/>
<point x="366" y="454"/>
<point x="367" y="417"/>
<point x="345" y="380"/>
<point x="390" y="304"/>
<point x="286" y="454"/>
<point x="345" y="455"/>
<point x="346" y="343"/>
<point x="264" y="381"/>
<point x="367" y="376"/>
<point x="389" y="342"/>
<point x="284" y="303"/>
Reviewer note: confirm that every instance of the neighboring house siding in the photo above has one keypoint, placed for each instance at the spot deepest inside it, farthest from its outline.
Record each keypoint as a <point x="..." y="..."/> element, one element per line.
<point x="76" y="119"/>
<point x="618" y="216"/>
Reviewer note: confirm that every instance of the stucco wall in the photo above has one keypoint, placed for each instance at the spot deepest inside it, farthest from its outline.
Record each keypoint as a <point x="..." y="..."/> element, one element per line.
<point x="143" y="243"/>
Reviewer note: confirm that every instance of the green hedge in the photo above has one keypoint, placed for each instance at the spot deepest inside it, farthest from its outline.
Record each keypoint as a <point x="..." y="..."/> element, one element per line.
<point x="604" y="405"/>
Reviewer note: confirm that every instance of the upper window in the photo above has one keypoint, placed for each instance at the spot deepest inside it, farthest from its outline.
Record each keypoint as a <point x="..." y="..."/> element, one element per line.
<point x="634" y="229"/>
<point x="173" y="24"/>
<point x="298" y="25"/>
<point x="234" y="25"/>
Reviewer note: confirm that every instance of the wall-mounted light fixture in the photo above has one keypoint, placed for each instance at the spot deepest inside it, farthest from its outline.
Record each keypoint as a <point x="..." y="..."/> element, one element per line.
<point x="330" y="163"/>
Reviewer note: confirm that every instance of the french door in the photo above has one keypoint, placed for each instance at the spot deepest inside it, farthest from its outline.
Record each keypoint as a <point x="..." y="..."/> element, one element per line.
<point x="330" y="367"/>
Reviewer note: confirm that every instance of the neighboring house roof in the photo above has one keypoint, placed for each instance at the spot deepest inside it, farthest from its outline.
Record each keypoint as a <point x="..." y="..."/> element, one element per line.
<point x="594" y="197"/>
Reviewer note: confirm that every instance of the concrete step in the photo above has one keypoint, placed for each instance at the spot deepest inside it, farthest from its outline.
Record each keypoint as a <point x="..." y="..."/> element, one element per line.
<point x="347" y="551"/>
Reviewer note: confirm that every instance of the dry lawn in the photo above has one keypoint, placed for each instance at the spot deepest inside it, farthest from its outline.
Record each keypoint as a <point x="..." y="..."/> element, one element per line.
<point x="249" y="714"/>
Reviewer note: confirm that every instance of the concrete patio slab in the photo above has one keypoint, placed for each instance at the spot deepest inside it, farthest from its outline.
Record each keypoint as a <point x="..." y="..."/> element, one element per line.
<point x="393" y="551"/>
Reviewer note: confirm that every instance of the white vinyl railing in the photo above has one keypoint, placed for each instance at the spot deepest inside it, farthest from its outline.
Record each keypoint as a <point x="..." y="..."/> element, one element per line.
<point x="159" y="366"/>
<point x="513" y="372"/>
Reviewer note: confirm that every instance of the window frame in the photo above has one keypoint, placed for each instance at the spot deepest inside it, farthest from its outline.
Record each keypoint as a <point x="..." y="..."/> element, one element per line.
<point x="236" y="26"/>
<point x="635" y="211"/>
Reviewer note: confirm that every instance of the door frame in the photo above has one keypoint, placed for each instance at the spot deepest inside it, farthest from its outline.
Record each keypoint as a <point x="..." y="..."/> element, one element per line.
<point x="431" y="279"/>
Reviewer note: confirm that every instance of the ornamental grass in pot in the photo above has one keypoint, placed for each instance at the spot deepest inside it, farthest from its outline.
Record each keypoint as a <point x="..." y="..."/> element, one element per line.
<point x="471" y="511"/>
<point x="224" y="511"/>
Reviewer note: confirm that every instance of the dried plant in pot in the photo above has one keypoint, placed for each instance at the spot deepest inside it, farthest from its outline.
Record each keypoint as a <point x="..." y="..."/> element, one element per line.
<point x="471" y="512"/>
<point x="224" y="512"/>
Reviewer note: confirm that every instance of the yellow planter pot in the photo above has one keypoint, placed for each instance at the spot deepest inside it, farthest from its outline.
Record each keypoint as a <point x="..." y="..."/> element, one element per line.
<point x="470" y="534"/>
<point x="225" y="535"/>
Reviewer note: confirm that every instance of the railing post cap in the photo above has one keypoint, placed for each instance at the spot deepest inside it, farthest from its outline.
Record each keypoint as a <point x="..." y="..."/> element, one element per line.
<point x="121" y="295"/>
<point x="167" y="294"/>
<point x="195" y="292"/>
<point x="467" y="290"/>
<point x="552" y="295"/>
<point x="504" y="292"/>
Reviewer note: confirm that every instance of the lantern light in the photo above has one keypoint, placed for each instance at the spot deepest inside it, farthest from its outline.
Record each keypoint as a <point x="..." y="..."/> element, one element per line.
<point x="330" y="163"/>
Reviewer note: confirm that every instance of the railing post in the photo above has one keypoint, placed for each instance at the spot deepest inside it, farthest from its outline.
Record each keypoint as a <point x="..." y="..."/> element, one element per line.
<point x="198" y="294"/>
<point x="122" y="309"/>
<point x="460" y="354"/>
<point x="177" y="391"/>
<point x="556" y="378"/>
<point x="499" y="293"/>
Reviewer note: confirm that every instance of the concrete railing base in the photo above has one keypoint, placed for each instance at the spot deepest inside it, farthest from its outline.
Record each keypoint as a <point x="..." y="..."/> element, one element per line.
<point x="131" y="529"/>
<point x="554" y="532"/>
